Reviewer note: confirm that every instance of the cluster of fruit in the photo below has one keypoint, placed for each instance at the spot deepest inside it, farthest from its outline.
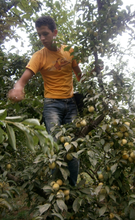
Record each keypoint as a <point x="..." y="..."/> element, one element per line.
<point x="69" y="147"/>
<point x="60" y="194"/>
<point x="83" y="122"/>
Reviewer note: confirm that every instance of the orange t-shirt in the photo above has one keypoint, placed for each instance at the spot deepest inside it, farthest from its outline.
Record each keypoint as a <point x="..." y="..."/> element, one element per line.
<point x="56" y="69"/>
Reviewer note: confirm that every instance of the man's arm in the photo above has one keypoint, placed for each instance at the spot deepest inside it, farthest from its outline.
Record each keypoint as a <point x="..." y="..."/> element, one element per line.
<point x="17" y="93"/>
<point x="77" y="72"/>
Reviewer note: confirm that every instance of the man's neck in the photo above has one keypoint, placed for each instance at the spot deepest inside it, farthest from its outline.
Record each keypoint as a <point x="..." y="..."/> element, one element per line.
<point x="54" y="48"/>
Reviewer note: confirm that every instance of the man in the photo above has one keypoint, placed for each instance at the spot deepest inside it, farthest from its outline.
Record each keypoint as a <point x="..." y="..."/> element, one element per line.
<point x="56" y="67"/>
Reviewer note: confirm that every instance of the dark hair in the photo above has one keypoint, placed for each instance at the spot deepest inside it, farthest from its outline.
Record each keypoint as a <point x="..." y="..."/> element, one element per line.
<point x="46" y="21"/>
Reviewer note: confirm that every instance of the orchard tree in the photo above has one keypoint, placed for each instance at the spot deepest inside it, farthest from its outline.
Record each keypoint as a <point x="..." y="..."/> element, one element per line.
<point x="101" y="137"/>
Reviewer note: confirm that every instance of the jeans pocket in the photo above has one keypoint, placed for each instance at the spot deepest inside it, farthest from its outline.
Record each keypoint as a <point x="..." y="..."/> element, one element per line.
<point x="48" y="101"/>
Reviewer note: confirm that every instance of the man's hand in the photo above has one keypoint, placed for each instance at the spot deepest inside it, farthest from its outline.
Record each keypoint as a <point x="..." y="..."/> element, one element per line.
<point x="16" y="94"/>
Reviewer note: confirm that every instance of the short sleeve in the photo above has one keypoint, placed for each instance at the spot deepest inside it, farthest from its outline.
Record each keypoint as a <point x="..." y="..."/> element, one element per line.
<point x="35" y="63"/>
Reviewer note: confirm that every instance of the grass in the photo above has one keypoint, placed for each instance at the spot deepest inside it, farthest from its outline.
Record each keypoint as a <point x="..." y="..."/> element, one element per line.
<point x="21" y="215"/>
<point x="20" y="210"/>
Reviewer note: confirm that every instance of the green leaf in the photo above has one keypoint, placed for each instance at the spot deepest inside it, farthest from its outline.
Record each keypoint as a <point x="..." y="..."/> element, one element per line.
<point x="81" y="151"/>
<point x="85" y="191"/>
<point x="51" y="197"/>
<point x="74" y="143"/>
<point x="15" y="118"/>
<point x="47" y="188"/>
<point x="102" y="210"/>
<point x="102" y="197"/>
<point x="97" y="190"/>
<point x="118" y="217"/>
<point x="1" y="157"/>
<point x="112" y="197"/>
<point x="102" y="141"/>
<point x="65" y="172"/>
<point x="132" y="196"/>
<point x="5" y="204"/>
<point x="107" y="189"/>
<point x="58" y="134"/>
<point x="67" y="48"/>
<point x="1" y="135"/>
<point x="44" y="208"/>
<point x="114" y="167"/>
<point x="76" y="204"/>
<point x="68" y="147"/>
<point x="107" y="147"/>
<point x="3" y="114"/>
<point x="132" y="213"/>
<point x="91" y="153"/>
<point x="131" y="202"/>
<point x="29" y="141"/>
<point x="58" y="215"/>
<point x="11" y="136"/>
<point x="57" y="5"/>
<point x="61" y="204"/>
<point x="31" y="121"/>
<point x="74" y="154"/>
<point x="41" y="137"/>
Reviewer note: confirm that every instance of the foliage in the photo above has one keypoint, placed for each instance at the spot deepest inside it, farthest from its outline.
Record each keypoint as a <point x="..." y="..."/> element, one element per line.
<point x="101" y="137"/>
<point x="15" y="13"/>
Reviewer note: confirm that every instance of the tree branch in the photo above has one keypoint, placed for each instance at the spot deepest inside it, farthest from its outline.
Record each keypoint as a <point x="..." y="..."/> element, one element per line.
<point x="92" y="125"/>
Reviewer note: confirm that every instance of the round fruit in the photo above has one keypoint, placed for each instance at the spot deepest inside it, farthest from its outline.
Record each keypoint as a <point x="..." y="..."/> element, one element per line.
<point x="52" y="165"/>
<point x="130" y="144"/>
<point x="100" y="184"/>
<point x="66" y="192"/>
<point x="111" y="215"/>
<point x="102" y="191"/>
<point x="130" y="159"/>
<point x="83" y="122"/>
<point x="59" y="182"/>
<point x="56" y="186"/>
<point x="119" y="134"/>
<point x="62" y="139"/>
<point x="114" y="123"/>
<point x="125" y="156"/>
<point x="69" y="156"/>
<point x="90" y="133"/>
<point x="91" y="109"/>
<point x="9" y="166"/>
<point x="78" y="125"/>
<point x="111" y="143"/>
<point x="1" y="185"/>
<point x="124" y="141"/>
<point x="127" y="123"/>
<point x="67" y="197"/>
<point x="108" y="168"/>
<point x="100" y="176"/>
<point x="71" y="148"/>
<point x="52" y="153"/>
<point x="123" y="129"/>
<point x="126" y="134"/>
<point x="132" y="155"/>
<point x="66" y="143"/>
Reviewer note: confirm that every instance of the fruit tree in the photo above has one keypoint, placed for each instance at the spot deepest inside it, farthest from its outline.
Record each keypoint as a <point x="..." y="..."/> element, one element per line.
<point x="102" y="136"/>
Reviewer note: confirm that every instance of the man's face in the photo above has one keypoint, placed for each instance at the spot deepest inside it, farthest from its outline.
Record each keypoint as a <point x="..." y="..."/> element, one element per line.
<point x="46" y="36"/>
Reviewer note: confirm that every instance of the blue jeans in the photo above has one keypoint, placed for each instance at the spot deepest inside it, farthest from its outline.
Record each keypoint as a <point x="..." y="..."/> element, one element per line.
<point x="61" y="111"/>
